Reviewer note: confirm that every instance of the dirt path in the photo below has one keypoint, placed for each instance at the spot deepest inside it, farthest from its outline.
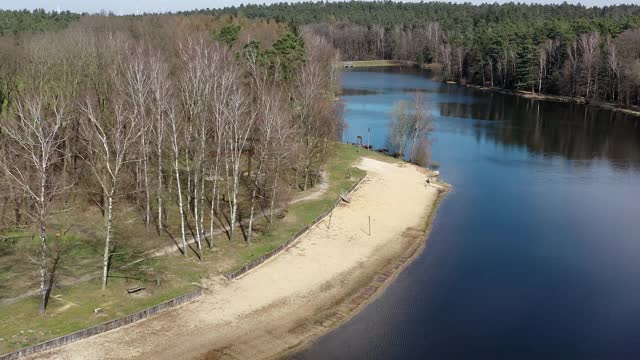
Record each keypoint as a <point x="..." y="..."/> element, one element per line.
<point x="320" y="189"/>
<point x="282" y="303"/>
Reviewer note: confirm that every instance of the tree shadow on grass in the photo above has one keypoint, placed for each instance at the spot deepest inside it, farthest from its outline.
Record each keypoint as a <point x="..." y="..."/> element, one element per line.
<point x="52" y="278"/>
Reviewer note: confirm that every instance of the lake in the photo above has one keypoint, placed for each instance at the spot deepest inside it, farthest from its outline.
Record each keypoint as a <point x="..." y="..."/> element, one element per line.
<point x="535" y="254"/>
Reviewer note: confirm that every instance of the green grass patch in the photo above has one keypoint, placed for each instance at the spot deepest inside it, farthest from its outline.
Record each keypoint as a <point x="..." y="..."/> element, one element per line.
<point x="72" y="309"/>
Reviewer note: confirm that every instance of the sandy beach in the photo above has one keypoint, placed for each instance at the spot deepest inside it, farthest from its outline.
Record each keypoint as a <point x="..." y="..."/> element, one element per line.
<point x="315" y="284"/>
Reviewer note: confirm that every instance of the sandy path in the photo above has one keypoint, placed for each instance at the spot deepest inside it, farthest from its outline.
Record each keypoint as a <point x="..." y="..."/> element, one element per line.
<point x="264" y="312"/>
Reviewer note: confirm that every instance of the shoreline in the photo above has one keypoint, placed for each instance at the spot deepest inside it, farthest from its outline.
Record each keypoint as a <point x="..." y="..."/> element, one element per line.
<point x="557" y="98"/>
<point x="378" y="284"/>
<point x="387" y="63"/>
<point x="262" y="315"/>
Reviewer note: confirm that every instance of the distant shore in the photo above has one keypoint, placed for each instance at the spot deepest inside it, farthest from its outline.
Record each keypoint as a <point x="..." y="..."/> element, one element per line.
<point x="558" y="98"/>
<point x="330" y="273"/>
<point x="386" y="63"/>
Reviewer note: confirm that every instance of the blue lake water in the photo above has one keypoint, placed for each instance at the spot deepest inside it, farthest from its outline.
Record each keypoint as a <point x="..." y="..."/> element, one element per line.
<point x="535" y="254"/>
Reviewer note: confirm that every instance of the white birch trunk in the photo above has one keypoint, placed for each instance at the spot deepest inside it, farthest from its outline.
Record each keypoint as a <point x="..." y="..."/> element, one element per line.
<point x="176" y="168"/>
<point x="147" y="191"/>
<point x="43" y="248"/>
<point x="196" y="209"/>
<point x="253" y="199"/>
<point x="159" y="195"/>
<point x="107" y="240"/>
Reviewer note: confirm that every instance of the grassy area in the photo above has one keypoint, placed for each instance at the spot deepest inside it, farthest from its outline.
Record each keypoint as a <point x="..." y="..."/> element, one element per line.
<point x="432" y="66"/>
<point x="71" y="308"/>
<point x="360" y="152"/>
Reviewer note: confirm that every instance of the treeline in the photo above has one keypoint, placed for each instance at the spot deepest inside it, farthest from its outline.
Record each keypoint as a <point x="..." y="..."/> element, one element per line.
<point x="178" y="118"/>
<point x="453" y="16"/>
<point x="16" y="21"/>
<point x="563" y="49"/>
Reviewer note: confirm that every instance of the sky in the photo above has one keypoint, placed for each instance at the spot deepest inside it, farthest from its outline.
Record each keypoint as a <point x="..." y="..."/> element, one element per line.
<point x="133" y="6"/>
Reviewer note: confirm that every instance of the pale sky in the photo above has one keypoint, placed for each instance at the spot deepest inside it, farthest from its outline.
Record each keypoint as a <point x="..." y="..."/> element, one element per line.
<point x="131" y="6"/>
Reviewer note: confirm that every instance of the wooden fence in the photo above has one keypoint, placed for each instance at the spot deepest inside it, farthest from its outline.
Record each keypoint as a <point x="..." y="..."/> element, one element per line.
<point x="98" y="329"/>
<point x="253" y="264"/>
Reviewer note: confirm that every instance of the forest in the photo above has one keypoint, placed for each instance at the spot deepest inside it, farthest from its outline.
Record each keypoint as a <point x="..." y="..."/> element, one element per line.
<point x="13" y="22"/>
<point x="122" y="134"/>
<point x="562" y="49"/>
<point x="569" y="50"/>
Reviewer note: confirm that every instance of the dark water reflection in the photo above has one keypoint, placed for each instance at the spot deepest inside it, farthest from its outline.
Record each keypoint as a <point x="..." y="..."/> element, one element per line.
<point x="576" y="132"/>
<point x="536" y="252"/>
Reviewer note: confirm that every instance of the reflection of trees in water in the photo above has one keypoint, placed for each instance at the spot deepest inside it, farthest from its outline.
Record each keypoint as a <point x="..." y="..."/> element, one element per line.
<point x="575" y="131"/>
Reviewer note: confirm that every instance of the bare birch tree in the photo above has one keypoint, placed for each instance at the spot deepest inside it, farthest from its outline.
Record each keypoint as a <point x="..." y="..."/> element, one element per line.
<point x="160" y="87"/>
<point x="400" y="128"/>
<point x="542" y="67"/>
<point x="434" y="35"/>
<point x="490" y="62"/>
<point x="34" y="139"/>
<point x="239" y="119"/>
<point x="269" y="110"/>
<point x="175" y="133"/>
<point x="589" y="44"/>
<point x="136" y="86"/>
<point x="222" y="83"/>
<point x="572" y="66"/>
<point x="195" y="84"/>
<point x="613" y="65"/>
<point x="410" y="124"/>
<point x="446" y="58"/>
<point x="460" y="54"/>
<point x="308" y="87"/>
<point x="422" y="124"/>
<point x="109" y="136"/>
